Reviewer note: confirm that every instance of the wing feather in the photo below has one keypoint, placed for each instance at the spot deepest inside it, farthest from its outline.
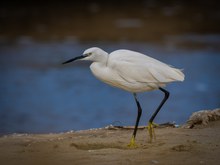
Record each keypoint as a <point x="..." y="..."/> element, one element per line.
<point x="136" y="67"/>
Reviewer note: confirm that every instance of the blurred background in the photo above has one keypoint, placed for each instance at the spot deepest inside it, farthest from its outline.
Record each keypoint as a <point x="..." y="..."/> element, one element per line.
<point x="40" y="95"/>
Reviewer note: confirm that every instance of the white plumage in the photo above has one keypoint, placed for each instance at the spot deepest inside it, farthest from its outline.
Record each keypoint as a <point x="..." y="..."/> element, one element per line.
<point x="133" y="72"/>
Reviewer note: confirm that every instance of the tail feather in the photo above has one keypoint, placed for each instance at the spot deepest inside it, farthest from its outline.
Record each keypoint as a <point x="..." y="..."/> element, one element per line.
<point x="179" y="75"/>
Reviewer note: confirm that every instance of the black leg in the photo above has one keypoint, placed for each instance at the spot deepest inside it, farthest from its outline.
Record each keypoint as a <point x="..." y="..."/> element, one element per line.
<point x="138" y="115"/>
<point x="166" y="96"/>
<point x="132" y="143"/>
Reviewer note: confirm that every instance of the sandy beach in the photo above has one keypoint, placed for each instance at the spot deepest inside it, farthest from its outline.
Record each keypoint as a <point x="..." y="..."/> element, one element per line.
<point x="109" y="146"/>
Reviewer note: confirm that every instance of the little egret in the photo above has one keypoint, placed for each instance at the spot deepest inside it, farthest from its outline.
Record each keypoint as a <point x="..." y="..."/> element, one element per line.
<point x="134" y="72"/>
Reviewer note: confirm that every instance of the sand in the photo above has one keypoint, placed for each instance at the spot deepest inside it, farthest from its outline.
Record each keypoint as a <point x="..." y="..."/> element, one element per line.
<point x="109" y="146"/>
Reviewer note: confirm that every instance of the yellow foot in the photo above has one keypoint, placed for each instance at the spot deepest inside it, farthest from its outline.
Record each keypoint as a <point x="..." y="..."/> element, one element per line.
<point x="150" y="128"/>
<point x="132" y="143"/>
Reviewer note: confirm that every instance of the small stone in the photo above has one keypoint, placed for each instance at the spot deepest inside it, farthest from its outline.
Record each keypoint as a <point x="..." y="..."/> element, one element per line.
<point x="154" y="161"/>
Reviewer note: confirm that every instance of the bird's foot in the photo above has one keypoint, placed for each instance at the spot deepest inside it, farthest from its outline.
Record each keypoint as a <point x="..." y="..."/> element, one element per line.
<point x="151" y="132"/>
<point x="132" y="144"/>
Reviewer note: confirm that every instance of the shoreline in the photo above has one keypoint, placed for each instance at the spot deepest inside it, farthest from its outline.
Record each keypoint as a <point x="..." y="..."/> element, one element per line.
<point x="109" y="146"/>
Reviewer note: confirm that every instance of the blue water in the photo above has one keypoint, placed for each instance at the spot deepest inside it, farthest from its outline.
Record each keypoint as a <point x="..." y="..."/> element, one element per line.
<point x="39" y="95"/>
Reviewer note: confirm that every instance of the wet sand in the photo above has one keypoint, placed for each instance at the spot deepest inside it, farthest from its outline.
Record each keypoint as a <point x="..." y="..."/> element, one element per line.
<point x="107" y="146"/>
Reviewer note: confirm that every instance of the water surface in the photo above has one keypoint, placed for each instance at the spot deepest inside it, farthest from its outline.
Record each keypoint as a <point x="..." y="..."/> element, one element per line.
<point x="39" y="94"/>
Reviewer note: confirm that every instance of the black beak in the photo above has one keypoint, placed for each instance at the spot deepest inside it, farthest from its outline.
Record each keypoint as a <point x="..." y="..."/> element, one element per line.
<point x="74" y="59"/>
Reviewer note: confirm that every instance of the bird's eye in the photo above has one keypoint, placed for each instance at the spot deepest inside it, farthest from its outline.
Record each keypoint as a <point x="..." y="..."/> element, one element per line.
<point x="89" y="54"/>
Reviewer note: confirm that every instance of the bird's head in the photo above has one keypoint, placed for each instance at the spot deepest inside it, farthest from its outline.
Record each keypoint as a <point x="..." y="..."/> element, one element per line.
<point x="92" y="54"/>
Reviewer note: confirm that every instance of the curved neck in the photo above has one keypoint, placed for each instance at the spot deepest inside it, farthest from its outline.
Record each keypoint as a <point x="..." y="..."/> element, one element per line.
<point x="101" y="58"/>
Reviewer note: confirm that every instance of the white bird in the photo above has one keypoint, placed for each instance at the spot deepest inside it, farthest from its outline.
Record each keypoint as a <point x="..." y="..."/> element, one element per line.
<point x="133" y="72"/>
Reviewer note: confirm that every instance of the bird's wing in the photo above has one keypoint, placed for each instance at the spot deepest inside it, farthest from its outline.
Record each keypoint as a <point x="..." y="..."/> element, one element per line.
<point x="136" y="67"/>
